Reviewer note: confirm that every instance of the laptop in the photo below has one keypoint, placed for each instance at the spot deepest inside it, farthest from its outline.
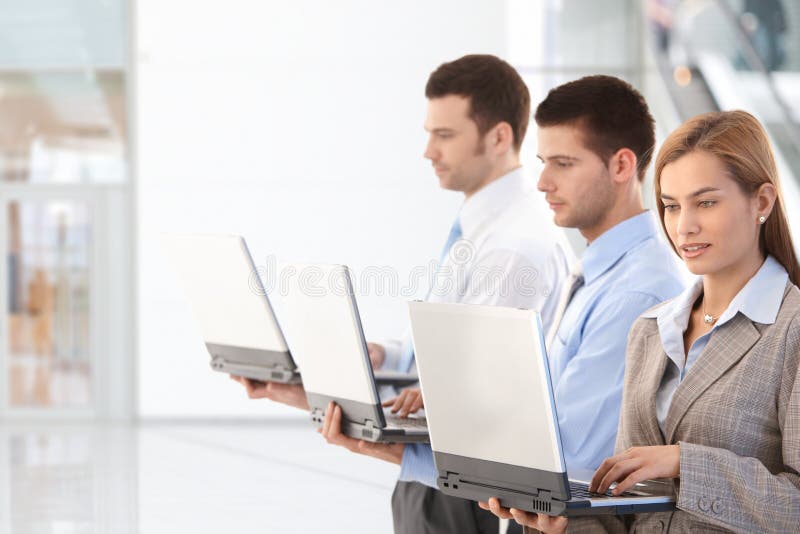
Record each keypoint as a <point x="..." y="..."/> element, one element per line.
<point x="322" y="323"/>
<point x="492" y="416"/>
<point x="239" y="326"/>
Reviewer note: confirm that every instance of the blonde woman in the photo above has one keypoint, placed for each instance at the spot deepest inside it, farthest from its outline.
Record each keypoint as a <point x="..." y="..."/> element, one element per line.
<point x="712" y="391"/>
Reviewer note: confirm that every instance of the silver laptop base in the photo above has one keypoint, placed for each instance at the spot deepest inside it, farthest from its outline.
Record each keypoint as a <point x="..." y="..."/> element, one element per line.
<point x="263" y="374"/>
<point x="520" y="488"/>
<point x="363" y="421"/>
<point x="456" y="487"/>
<point x="258" y="364"/>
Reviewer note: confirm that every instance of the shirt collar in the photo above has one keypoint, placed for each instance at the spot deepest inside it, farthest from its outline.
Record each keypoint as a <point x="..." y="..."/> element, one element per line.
<point x="607" y="249"/>
<point x="490" y="200"/>
<point x="677" y="311"/>
<point x="760" y="298"/>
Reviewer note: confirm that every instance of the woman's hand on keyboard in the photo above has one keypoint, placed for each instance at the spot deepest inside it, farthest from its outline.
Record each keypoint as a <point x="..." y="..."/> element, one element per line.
<point x="409" y="401"/>
<point x="635" y="465"/>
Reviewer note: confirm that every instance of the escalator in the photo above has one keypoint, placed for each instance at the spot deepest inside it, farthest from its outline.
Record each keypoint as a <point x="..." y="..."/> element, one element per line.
<point x="714" y="59"/>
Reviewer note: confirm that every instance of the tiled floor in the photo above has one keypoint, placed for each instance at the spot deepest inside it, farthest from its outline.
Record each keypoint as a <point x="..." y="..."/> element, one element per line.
<point x="153" y="478"/>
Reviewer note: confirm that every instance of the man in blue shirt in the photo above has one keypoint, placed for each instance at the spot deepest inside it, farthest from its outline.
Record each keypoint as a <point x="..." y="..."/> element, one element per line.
<point x="596" y="138"/>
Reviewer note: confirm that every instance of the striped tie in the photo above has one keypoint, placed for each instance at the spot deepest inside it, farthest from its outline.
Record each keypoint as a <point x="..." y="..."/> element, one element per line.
<point x="573" y="282"/>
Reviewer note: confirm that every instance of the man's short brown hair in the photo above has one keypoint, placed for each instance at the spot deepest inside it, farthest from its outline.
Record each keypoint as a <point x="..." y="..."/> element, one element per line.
<point x="496" y="92"/>
<point x="609" y="111"/>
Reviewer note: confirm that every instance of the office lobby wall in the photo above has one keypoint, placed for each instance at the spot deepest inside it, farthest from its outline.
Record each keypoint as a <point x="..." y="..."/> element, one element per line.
<point x="298" y="125"/>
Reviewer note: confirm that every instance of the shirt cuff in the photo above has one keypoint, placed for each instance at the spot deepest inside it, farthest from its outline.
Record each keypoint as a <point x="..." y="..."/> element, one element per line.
<point x="394" y="349"/>
<point x="417" y="465"/>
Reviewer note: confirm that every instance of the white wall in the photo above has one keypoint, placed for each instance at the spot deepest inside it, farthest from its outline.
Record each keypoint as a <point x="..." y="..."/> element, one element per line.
<point x="299" y="125"/>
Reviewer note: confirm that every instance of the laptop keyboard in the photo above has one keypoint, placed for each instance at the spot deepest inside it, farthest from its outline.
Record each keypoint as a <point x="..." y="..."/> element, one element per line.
<point x="579" y="490"/>
<point x="406" y="422"/>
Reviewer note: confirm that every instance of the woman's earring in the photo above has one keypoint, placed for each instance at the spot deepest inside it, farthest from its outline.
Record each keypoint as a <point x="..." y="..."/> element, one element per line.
<point x="762" y="220"/>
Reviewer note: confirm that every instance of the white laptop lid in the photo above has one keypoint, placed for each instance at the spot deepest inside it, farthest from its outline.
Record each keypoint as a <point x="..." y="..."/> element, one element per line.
<point x="226" y="294"/>
<point x="321" y="321"/>
<point x="485" y="383"/>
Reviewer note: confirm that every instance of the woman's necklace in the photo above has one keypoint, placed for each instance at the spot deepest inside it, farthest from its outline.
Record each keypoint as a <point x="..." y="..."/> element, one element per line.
<point x="707" y="317"/>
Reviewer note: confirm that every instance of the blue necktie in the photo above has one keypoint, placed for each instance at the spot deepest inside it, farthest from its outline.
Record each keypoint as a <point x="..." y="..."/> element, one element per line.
<point x="455" y="235"/>
<point x="407" y="357"/>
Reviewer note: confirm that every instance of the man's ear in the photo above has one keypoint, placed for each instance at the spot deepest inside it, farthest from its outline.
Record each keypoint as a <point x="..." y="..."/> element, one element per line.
<point x="622" y="165"/>
<point x="501" y="138"/>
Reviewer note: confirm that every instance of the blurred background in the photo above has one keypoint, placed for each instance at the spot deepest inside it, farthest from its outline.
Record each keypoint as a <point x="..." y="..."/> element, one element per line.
<point x="298" y="125"/>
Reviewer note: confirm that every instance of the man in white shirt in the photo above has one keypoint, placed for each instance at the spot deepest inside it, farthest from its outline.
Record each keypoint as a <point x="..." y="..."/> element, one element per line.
<point x="503" y="250"/>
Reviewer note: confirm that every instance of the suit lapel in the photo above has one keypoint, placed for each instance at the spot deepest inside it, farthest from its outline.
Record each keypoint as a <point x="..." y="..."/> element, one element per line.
<point x="727" y="345"/>
<point x="652" y="373"/>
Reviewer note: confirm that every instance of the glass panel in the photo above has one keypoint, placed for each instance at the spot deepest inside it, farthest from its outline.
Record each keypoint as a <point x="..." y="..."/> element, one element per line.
<point x="48" y="303"/>
<point x="62" y="91"/>
<point x="588" y="35"/>
<point x="62" y="127"/>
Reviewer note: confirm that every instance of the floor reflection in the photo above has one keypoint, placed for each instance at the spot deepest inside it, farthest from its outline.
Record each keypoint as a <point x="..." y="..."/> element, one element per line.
<point x="180" y="477"/>
<point x="67" y="479"/>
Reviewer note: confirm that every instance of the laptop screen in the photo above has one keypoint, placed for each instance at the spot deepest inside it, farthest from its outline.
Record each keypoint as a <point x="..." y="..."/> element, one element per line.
<point x="324" y="331"/>
<point x="485" y="383"/>
<point x="217" y="274"/>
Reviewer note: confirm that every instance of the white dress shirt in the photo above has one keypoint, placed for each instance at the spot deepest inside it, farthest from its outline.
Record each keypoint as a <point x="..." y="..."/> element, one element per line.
<point x="510" y="254"/>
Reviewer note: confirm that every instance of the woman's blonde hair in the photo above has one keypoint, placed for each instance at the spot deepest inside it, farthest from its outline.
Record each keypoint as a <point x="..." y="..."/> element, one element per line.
<point x="740" y="142"/>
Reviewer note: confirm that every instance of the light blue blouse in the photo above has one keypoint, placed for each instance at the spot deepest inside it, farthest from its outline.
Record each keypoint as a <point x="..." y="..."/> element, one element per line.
<point x="759" y="300"/>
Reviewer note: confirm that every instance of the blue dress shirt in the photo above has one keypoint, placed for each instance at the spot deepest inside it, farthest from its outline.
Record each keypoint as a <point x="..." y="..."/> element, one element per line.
<point x="760" y="299"/>
<point x="627" y="270"/>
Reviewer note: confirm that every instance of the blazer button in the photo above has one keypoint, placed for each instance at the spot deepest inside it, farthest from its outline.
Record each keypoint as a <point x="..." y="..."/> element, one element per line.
<point x="703" y="504"/>
<point x="660" y="526"/>
<point x="716" y="506"/>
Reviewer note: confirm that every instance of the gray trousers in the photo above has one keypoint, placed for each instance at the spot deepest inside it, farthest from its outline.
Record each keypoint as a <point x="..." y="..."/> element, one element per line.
<point x="419" y="509"/>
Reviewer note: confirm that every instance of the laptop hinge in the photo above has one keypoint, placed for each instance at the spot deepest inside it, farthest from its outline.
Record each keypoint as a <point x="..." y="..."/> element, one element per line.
<point x="452" y="480"/>
<point x="217" y="361"/>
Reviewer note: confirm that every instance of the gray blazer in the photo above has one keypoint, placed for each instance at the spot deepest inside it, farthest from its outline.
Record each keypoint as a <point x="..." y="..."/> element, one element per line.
<point x="736" y="416"/>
